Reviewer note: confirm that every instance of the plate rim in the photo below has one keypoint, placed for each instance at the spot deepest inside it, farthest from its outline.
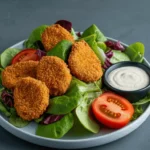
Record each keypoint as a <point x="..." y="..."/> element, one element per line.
<point x="94" y="140"/>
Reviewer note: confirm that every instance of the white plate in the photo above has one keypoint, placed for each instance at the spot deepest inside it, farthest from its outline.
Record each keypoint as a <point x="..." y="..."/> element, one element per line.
<point x="73" y="140"/>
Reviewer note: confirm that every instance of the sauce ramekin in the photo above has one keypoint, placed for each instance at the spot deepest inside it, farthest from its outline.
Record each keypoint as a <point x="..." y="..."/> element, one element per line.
<point x="132" y="96"/>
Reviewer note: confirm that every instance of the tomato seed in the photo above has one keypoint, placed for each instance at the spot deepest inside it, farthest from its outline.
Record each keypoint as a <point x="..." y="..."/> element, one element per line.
<point x="117" y="102"/>
<point x="109" y="113"/>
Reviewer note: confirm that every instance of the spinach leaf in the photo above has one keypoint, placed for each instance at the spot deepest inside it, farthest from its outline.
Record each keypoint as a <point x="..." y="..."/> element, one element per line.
<point x="12" y="111"/>
<point x="17" y="121"/>
<point x="64" y="104"/>
<point x="119" y="56"/>
<point x="102" y="45"/>
<point x="142" y="101"/>
<point x="93" y="29"/>
<point x="61" y="50"/>
<point x="84" y="116"/>
<point x="7" y="55"/>
<point x="138" y="106"/>
<point x="4" y="110"/>
<point x="73" y="97"/>
<point x="57" y="129"/>
<point x="83" y="87"/>
<point x="34" y="37"/>
<point x="78" y="129"/>
<point x="135" y="52"/>
<point x="138" y="110"/>
<point x="39" y="119"/>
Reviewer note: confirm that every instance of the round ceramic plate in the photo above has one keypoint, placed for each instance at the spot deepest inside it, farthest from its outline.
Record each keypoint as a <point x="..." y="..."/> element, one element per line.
<point x="73" y="139"/>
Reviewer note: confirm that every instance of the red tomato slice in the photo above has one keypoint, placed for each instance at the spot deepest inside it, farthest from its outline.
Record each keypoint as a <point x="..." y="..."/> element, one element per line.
<point x="25" y="55"/>
<point x="112" y="110"/>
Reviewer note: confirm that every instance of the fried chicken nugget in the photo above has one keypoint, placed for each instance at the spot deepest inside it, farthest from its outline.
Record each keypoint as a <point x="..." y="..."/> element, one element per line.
<point x="54" y="34"/>
<point x="13" y="73"/>
<point x="31" y="98"/>
<point x="54" y="72"/>
<point x="83" y="62"/>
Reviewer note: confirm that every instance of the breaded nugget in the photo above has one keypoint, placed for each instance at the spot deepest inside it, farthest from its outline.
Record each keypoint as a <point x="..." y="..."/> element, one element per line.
<point x="31" y="98"/>
<point x="54" y="72"/>
<point x="13" y="73"/>
<point x="54" y="34"/>
<point x="83" y="62"/>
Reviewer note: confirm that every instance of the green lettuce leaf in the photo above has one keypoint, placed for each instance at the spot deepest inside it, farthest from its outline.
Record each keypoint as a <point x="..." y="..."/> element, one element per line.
<point x="17" y="121"/>
<point x="4" y="110"/>
<point x="93" y="29"/>
<point x="7" y="55"/>
<point x="72" y="98"/>
<point x="138" y="106"/>
<point x="135" y="52"/>
<point x="138" y="110"/>
<point x="61" y="50"/>
<point x="35" y="36"/>
<point x="57" y="129"/>
<point x="142" y="101"/>
<point x="119" y="56"/>
<point x="83" y="114"/>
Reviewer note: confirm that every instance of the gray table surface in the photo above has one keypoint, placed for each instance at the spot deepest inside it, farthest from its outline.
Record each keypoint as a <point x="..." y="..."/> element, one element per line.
<point x="126" y="20"/>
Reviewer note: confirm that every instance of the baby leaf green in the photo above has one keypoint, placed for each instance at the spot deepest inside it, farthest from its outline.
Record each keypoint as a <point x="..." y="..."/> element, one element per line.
<point x="35" y="36"/>
<point x="17" y="121"/>
<point x="135" y="52"/>
<point x="83" y="114"/>
<point x="119" y="56"/>
<point x="57" y="129"/>
<point x="61" y="50"/>
<point x="7" y="56"/>
<point x="93" y="29"/>
<point x="4" y="110"/>
<point x="73" y="97"/>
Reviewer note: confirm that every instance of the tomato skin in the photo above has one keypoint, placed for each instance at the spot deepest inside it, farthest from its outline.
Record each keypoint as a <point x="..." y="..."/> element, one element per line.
<point x="113" y="114"/>
<point x="25" y="55"/>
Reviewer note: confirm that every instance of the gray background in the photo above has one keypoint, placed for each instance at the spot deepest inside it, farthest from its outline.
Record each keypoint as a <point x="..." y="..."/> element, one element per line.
<point x="126" y="20"/>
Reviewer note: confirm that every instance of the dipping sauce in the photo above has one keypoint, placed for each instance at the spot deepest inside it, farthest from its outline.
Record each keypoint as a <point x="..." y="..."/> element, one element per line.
<point x="128" y="78"/>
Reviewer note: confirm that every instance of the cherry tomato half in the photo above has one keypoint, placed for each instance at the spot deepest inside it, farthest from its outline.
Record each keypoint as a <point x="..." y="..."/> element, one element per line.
<point x="112" y="110"/>
<point x="25" y="55"/>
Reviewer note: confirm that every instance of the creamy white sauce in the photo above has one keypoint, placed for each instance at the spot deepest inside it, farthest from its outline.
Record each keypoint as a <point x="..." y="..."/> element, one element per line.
<point x="128" y="78"/>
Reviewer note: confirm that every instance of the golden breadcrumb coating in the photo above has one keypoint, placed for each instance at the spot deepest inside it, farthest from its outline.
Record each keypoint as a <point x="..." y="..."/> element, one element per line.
<point x="54" y="72"/>
<point x="83" y="62"/>
<point x="31" y="98"/>
<point x="54" y="34"/>
<point x="13" y="73"/>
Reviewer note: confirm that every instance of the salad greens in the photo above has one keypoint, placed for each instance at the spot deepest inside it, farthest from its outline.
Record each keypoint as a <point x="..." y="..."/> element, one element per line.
<point x="102" y="45"/>
<point x="93" y="29"/>
<point x="61" y="50"/>
<point x="83" y="114"/>
<point x="35" y="36"/>
<point x="7" y="55"/>
<point x="135" y="52"/>
<point x="17" y="121"/>
<point x="142" y="101"/>
<point x="118" y="56"/>
<point x="139" y="105"/>
<point x="73" y="97"/>
<point x="4" y="110"/>
<point x="57" y="129"/>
